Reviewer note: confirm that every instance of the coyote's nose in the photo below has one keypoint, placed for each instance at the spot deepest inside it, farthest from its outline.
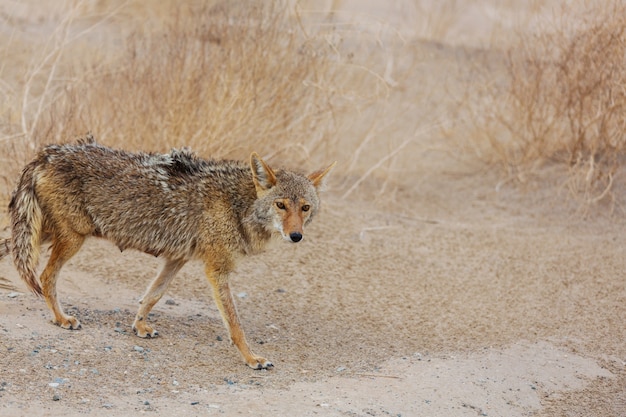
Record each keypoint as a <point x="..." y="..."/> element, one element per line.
<point x="295" y="236"/>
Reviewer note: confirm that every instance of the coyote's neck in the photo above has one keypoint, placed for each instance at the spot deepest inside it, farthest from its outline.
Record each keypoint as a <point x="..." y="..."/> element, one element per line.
<point x="256" y="234"/>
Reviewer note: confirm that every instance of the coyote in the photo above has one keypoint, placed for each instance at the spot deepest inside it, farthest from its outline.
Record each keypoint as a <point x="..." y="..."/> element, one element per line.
<point x="176" y="205"/>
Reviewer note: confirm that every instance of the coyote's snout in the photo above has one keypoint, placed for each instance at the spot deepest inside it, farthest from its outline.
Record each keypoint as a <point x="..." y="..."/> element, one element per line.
<point x="176" y="206"/>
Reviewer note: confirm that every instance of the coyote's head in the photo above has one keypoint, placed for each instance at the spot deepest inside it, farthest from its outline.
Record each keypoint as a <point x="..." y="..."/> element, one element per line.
<point x="286" y="201"/>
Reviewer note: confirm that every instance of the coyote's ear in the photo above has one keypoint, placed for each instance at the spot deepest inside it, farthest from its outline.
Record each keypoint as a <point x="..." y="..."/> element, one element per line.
<point x="317" y="177"/>
<point x="263" y="176"/>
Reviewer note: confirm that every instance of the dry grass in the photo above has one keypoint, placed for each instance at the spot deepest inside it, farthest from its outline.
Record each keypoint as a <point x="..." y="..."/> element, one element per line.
<point x="308" y="86"/>
<point x="213" y="78"/>
<point x="224" y="78"/>
<point x="561" y="102"/>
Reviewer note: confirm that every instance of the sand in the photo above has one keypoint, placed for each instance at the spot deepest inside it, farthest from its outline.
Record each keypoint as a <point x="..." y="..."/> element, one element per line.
<point x="485" y="310"/>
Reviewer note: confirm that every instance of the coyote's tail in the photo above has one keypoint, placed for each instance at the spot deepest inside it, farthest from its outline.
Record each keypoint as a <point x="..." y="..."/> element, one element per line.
<point x="26" y="222"/>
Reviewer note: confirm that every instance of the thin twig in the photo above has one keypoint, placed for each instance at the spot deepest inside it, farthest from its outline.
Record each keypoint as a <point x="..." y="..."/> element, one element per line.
<point x="382" y="161"/>
<point x="378" y="376"/>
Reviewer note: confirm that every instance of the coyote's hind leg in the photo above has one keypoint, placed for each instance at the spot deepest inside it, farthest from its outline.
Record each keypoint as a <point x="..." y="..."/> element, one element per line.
<point x="153" y="294"/>
<point x="63" y="248"/>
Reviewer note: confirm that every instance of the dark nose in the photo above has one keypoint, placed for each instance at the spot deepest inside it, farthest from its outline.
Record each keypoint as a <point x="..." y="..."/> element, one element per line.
<point x="295" y="236"/>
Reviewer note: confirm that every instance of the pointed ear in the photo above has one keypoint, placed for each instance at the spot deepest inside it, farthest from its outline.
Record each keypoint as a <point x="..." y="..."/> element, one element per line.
<point x="317" y="177"/>
<point x="263" y="176"/>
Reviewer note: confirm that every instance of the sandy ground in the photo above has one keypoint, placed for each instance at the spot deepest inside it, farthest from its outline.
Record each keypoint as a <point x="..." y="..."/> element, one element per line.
<point x="477" y="305"/>
<point x="454" y="295"/>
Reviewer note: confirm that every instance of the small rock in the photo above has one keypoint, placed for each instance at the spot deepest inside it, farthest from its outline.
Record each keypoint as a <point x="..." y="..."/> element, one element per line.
<point x="242" y="294"/>
<point x="195" y="402"/>
<point x="13" y="294"/>
<point x="175" y="383"/>
<point x="138" y="349"/>
<point x="281" y="291"/>
<point x="219" y="338"/>
<point x="54" y="384"/>
<point x="170" y="302"/>
<point x="146" y="402"/>
<point x="340" y="369"/>
<point x="56" y="397"/>
<point x="107" y="405"/>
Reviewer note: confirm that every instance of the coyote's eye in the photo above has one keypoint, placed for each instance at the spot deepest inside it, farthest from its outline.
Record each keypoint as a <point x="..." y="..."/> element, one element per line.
<point x="306" y="207"/>
<point x="280" y="205"/>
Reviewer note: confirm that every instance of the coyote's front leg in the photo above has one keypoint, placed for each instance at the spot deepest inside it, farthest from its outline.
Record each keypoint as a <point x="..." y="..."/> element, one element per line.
<point x="218" y="277"/>
<point x="153" y="294"/>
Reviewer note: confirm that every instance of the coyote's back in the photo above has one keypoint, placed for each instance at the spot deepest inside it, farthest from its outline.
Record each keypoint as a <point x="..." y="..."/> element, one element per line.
<point x="174" y="205"/>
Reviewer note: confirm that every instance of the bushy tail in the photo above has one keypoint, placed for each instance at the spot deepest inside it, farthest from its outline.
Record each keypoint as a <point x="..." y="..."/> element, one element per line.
<point x="26" y="222"/>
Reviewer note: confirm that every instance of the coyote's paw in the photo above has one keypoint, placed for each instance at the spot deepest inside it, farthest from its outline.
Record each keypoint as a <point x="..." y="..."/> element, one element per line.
<point x="67" y="322"/>
<point x="257" y="362"/>
<point x="141" y="329"/>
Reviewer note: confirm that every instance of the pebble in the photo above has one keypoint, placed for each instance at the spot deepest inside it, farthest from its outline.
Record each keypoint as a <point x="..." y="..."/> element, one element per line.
<point x="56" y="397"/>
<point x="107" y="405"/>
<point x="242" y="294"/>
<point x="340" y="369"/>
<point x="13" y="294"/>
<point x="170" y="302"/>
<point x="138" y="349"/>
<point x="54" y="384"/>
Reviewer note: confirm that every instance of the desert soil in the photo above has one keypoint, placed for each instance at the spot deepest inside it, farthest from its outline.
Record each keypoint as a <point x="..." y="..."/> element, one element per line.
<point x="479" y="304"/>
<point x="457" y="294"/>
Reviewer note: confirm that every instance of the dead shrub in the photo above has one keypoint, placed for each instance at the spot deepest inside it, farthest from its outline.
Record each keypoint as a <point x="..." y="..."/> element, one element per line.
<point x="562" y="101"/>
<point x="222" y="80"/>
